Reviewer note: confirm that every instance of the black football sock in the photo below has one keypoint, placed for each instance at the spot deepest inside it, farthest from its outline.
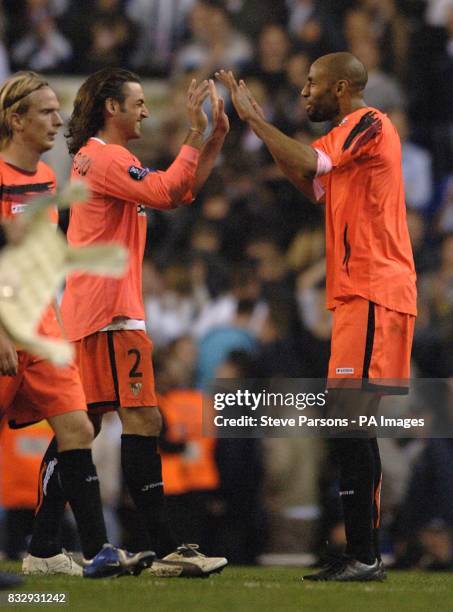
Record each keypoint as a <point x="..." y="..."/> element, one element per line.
<point x="376" y="495"/>
<point x="46" y="537"/>
<point x="355" y="459"/>
<point x="142" y="470"/>
<point x="80" y="486"/>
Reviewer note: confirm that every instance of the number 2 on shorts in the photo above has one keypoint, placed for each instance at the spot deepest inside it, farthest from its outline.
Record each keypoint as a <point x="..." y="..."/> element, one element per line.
<point x="134" y="373"/>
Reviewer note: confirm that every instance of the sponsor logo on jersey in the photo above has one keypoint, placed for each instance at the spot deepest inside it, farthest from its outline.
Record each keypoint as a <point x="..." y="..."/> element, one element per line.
<point x="137" y="173"/>
<point x="141" y="210"/>
<point x="345" y="370"/>
<point x="136" y="387"/>
<point x="17" y="209"/>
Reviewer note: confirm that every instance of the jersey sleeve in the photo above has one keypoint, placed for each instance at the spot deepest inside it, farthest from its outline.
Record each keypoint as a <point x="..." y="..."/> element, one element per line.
<point x="359" y="143"/>
<point x="126" y="180"/>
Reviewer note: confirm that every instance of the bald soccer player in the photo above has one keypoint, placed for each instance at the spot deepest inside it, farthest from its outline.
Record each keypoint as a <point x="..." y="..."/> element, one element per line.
<point x="356" y="171"/>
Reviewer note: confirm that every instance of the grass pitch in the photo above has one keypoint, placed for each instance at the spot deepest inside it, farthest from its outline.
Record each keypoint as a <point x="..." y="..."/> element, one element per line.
<point x="243" y="590"/>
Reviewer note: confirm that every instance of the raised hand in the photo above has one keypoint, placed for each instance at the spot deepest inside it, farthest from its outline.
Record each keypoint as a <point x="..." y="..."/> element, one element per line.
<point x="221" y="124"/>
<point x="196" y="95"/>
<point x="245" y="104"/>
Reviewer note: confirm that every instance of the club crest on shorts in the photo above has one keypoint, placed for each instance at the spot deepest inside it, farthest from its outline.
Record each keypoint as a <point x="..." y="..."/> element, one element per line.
<point x="136" y="387"/>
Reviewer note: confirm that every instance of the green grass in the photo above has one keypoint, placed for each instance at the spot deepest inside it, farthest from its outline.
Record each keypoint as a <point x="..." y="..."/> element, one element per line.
<point x="246" y="590"/>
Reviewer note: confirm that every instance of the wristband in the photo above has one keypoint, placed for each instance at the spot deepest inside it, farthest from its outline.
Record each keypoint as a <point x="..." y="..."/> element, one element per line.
<point x="324" y="163"/>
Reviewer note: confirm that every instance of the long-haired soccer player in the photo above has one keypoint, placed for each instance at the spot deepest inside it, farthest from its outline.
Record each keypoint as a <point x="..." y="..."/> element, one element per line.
<point x="31" y="388"/>
<point x="105" y="318"/>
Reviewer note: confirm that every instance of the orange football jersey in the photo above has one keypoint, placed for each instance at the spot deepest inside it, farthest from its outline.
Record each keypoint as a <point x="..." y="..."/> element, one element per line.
<point x="120" y="190"/>
<point x="368" y="247"/>
<point x="18" y="186"/>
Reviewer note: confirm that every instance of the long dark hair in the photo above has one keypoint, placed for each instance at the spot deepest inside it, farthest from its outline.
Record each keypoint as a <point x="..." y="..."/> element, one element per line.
<point x="88" y="114"/>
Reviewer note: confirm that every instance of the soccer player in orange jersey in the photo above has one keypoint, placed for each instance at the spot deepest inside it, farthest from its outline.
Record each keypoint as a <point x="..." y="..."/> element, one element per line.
<point x="105" y="317"/>
<point x="31" y="388"/>
<point x="356" y="170"/>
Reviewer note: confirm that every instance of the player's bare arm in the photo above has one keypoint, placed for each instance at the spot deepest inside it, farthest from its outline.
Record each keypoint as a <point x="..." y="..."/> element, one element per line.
<point x="214" y="143"/>
<point x="297" y="161"/>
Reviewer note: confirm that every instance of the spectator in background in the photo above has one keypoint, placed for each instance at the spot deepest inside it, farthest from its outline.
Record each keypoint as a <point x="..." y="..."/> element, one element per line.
<point x="437" y="12"/>
<point x="315" y="26"/>
<point x="43" y="48"/>
<point x="425" y="254"/>
<point x="273" y="51"/>
<point x="170" y="306"/>
<point x="220" y="311"/>
<point x="357" y="27"/>
<point x="111" y="37"/>
<point x="279" y="349"/>
<point x="425" y="517"/>
<point x="290" y="113"/>
<point x="161" y="29"/>
<point x="216" y="344"/>
<point x="271" y="265"/>
<point x="417" y="164"/>
<point x="445" y="216"/>
<point x="242" y="520"/>
<point x="441" y="109"/>
<point x="434" y="333"/>
<point x="300" y="13"/>
<point x="389" y="29"/>
<point x="188" y="461"/>
<point x="213" y="42"/>
<point x="250" y="16"/>
<point x="4" y="58"/>
<point x="316" y="321"/>
<point x="382" y="90"/>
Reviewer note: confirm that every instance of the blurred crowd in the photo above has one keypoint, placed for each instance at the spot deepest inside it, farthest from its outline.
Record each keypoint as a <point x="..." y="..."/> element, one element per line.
<point x="234" y="284"/>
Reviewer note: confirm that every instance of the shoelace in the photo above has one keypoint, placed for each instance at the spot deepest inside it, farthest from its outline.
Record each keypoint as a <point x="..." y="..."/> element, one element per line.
<point x="69" y="556"/>
<point x="191" y="549"/>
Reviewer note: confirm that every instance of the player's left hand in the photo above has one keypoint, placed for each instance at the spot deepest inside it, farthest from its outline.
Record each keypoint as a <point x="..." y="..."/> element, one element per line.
<point x="245" y="104"/>
<point x="221" y="123"/>
<point x="196" y="95"/>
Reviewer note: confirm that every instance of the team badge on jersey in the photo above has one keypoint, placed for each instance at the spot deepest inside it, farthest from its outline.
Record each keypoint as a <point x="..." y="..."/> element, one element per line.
<point x="137" y="173"/>
<point x="136" y="387"/>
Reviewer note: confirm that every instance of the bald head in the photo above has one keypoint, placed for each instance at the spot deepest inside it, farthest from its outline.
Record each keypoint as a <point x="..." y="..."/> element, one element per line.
<point x="344" y="66"/>
<point x="334" y="87"/>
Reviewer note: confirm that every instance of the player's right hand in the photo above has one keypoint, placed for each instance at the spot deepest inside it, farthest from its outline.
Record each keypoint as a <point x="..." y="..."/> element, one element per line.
<point x="8" y="356"/>
<point x="196" y="95"/>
